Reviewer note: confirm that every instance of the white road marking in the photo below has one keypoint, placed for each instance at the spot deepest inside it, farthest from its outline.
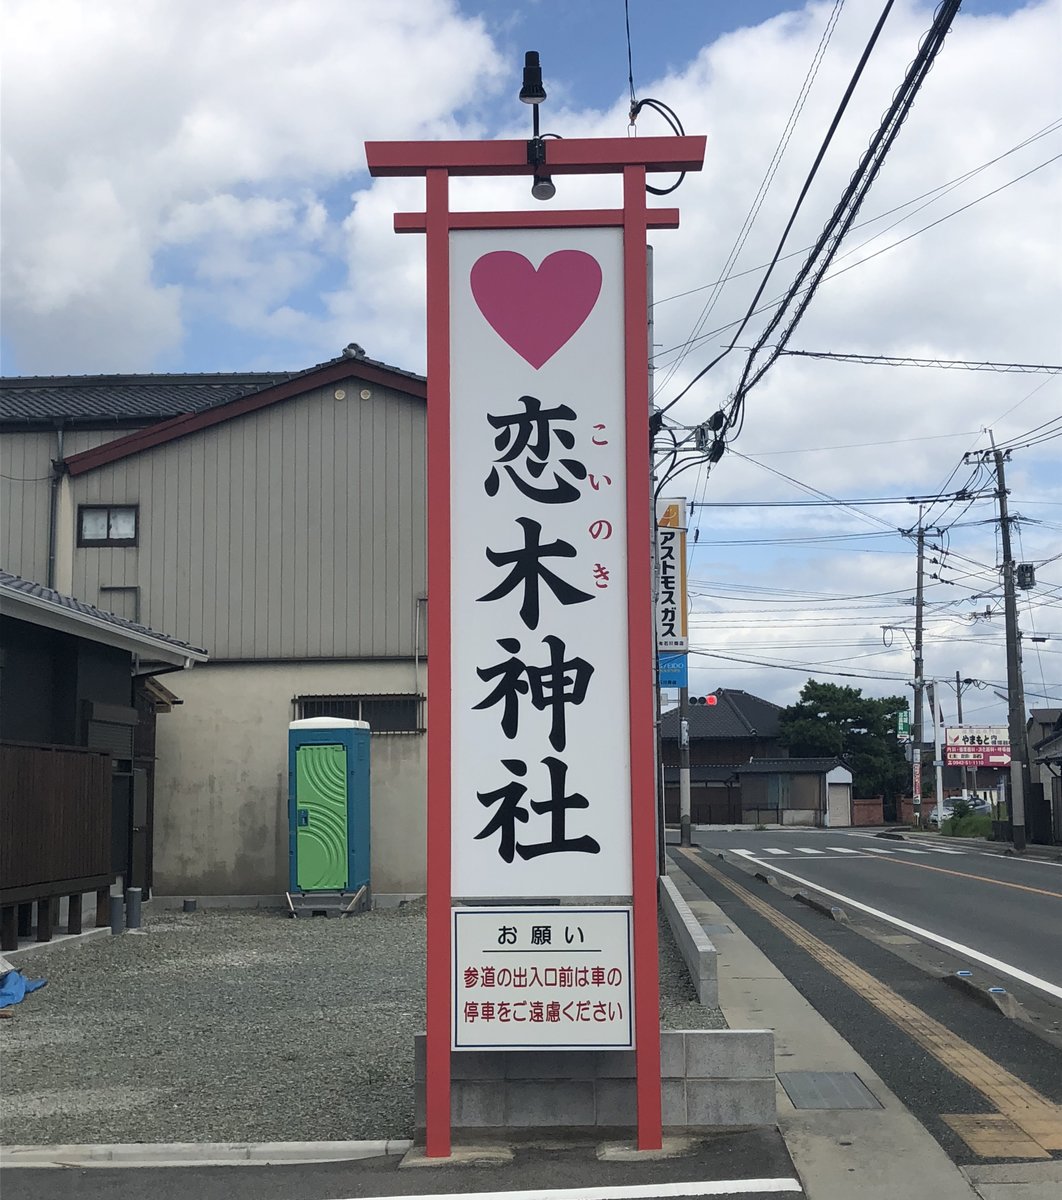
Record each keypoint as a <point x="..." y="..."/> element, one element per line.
<point x="941" y="850"/>
<point x="774" y="850"/>
<point x="805" y="850"/>
<point x="985" y="959"/>
<point x="908" y="850"/>
<point x="878" y="850"/>
<point x="714" y="1187"/>
<point x="843" y="850"/>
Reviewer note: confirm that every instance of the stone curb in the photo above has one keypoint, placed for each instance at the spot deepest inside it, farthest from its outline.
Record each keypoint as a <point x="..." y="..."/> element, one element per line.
<point x="199" y="1154"/>
<point x="696" y="948"/>
<point x="820" y="906"/>
<point x="996" y="999"/>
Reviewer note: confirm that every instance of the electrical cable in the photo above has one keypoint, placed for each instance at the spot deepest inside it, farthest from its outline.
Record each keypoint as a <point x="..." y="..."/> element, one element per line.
<point x="891" y="246"/>
<point x="860" y="66"/>
<point x="763" y="189"/>
<point x="946" y="364"/>
<point x="822" y="255"/>
<point x="942" y="188"/>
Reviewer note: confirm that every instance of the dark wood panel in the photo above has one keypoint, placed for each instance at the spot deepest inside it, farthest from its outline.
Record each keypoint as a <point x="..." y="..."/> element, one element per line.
<point x="55" y="817"/>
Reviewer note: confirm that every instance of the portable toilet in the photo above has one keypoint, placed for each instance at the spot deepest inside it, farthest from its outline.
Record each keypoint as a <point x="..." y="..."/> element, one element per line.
<point x="328" y="805"/>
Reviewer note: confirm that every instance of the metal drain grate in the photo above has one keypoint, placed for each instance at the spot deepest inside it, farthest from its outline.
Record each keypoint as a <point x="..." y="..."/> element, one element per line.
<point x="826" y="1089"/>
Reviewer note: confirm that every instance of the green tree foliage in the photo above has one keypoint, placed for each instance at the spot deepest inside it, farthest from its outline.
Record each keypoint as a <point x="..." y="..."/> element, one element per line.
<point x="830" y="720"/>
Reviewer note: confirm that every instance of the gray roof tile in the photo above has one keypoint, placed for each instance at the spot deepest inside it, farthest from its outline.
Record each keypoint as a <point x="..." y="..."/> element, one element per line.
<point x="26" y="587"/>
<point x="736" y="715"/>
<point x="83" y="398"/>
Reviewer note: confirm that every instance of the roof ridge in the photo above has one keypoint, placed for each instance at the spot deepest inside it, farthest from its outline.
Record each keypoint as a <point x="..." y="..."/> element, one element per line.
<point x="726" y="694"/>
<point x="131" y="379"/>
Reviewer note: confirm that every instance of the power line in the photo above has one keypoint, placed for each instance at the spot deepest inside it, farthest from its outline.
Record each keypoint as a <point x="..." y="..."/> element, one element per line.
<point x="860" y="66"/>
<point x="763" y="189"/>
<point x="938" y="193"/>
<point x="844" y="214"/>
<point x="946" y="364"/>
<point x="882" y="250"/>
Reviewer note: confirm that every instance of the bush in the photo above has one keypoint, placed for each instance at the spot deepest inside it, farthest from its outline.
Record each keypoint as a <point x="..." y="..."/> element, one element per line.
<point x="961" y="807"/>
<point x="974" y="825"/>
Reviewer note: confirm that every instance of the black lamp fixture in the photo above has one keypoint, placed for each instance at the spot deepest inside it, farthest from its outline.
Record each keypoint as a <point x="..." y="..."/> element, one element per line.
<point x="532" y="92"/>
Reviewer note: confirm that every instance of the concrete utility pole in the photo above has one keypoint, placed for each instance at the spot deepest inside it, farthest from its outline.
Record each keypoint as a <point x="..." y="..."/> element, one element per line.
<point x="684" y="764"/>
<point x="938" y="757"/>
<point x="1015" y="687"/>
<point x="661" y="839"/>
<point x="958" y="713"/>
<point x="916" y="726"/>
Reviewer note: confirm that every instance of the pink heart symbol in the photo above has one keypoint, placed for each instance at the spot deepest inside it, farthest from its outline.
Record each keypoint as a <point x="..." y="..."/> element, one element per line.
<point x="536" y="312"/>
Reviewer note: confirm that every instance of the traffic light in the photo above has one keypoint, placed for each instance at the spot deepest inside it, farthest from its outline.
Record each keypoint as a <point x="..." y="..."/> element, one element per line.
<point x="704" y="700"/>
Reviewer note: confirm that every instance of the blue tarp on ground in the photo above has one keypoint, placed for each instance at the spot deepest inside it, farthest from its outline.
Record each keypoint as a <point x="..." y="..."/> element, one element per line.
<point x="14" y="987"/>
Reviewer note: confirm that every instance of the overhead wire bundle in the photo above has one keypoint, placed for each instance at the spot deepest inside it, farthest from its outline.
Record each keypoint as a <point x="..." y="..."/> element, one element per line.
<point x="727" y="422"/>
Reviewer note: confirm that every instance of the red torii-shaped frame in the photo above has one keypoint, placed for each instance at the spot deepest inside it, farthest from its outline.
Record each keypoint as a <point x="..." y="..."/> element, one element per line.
<point x="437" y="161"/>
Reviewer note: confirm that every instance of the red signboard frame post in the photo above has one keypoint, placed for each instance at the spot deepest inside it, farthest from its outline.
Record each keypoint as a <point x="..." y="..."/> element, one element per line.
<point x="437" y="162"/>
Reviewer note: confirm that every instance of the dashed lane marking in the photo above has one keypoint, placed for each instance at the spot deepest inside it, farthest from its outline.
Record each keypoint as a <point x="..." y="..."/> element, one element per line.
<point x="1034" y="1114"/>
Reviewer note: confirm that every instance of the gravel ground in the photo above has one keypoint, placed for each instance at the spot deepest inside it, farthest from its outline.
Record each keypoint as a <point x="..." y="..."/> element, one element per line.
<point x="235" y="1026"/>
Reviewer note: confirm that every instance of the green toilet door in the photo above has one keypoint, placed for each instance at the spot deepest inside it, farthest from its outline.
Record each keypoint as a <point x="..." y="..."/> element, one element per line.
<point x="321" y="814"/>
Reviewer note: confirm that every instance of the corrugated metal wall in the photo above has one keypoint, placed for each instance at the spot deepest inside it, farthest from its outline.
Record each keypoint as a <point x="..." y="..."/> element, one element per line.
<point x="25" y="490"/>
<point x="293" y="532"/>
<point x="25" y="472"/>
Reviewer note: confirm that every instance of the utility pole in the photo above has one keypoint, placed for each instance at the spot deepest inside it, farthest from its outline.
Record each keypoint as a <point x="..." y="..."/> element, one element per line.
<point x="654" y="429"/>
<point x="1015" y="686"/>
<point x="938" y="757"/>
<point x="958" y="712"/>
<point x="916" y="726"/>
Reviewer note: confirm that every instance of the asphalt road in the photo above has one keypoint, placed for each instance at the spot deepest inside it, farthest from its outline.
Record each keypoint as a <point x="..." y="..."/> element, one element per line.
<point x="889" y="1001"/>
<point x="1006" y="910"/>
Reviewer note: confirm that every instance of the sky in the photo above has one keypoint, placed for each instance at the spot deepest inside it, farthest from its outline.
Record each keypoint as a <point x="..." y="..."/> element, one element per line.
<point x="184" y="189"/>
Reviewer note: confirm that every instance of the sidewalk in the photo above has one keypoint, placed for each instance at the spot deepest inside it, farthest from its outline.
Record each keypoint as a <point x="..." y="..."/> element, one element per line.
<point x="844" y="1153"/>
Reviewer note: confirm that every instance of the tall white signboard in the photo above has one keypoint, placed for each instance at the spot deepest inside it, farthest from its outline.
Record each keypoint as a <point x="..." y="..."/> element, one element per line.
<point x="540" y="752"/>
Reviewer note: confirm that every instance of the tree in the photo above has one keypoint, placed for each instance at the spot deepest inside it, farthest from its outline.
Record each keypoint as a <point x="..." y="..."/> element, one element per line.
<point x="834" y="721"/>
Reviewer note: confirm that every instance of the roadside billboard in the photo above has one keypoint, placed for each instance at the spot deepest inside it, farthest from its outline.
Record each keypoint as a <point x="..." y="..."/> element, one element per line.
<point x="977" y="746"/>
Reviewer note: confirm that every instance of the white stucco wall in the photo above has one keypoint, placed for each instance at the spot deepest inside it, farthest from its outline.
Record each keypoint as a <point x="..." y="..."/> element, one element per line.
<point x="221" y="787"/>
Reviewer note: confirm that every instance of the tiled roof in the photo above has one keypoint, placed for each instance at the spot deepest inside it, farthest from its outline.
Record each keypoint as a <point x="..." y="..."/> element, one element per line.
<point x="717" y="773"/>
<point x="736" y="714"/>
<point x="15" y="585"/>
<point x="82" y="398"/>
<point x="789" y="766"/>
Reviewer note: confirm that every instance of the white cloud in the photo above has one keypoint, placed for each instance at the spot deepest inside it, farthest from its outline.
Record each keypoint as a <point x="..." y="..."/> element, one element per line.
<point x="167" y="161"/>
<point x="132" y="125"/>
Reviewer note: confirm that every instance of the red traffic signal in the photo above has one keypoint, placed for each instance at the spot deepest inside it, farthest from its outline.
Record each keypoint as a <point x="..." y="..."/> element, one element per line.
<point x="704" y="699"/>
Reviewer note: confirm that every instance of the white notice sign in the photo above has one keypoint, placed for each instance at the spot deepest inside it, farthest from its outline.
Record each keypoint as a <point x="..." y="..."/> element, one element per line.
<point x="542" y="979"/>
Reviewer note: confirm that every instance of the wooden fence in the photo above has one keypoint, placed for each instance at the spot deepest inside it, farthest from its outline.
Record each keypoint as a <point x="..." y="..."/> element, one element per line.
<point x="55" y="829"/>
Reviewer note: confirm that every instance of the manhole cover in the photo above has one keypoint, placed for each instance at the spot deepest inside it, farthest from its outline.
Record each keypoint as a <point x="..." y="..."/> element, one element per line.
<point x="826" y="1089"/>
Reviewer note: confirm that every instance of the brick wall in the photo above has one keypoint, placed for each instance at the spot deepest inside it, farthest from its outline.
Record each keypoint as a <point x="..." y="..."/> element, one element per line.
<point x="867" y="812"/>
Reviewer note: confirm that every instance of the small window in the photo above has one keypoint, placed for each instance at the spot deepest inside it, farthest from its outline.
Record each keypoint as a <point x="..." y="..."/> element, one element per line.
<point x="107" y="525"/>
<point x="384" y="714"/>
